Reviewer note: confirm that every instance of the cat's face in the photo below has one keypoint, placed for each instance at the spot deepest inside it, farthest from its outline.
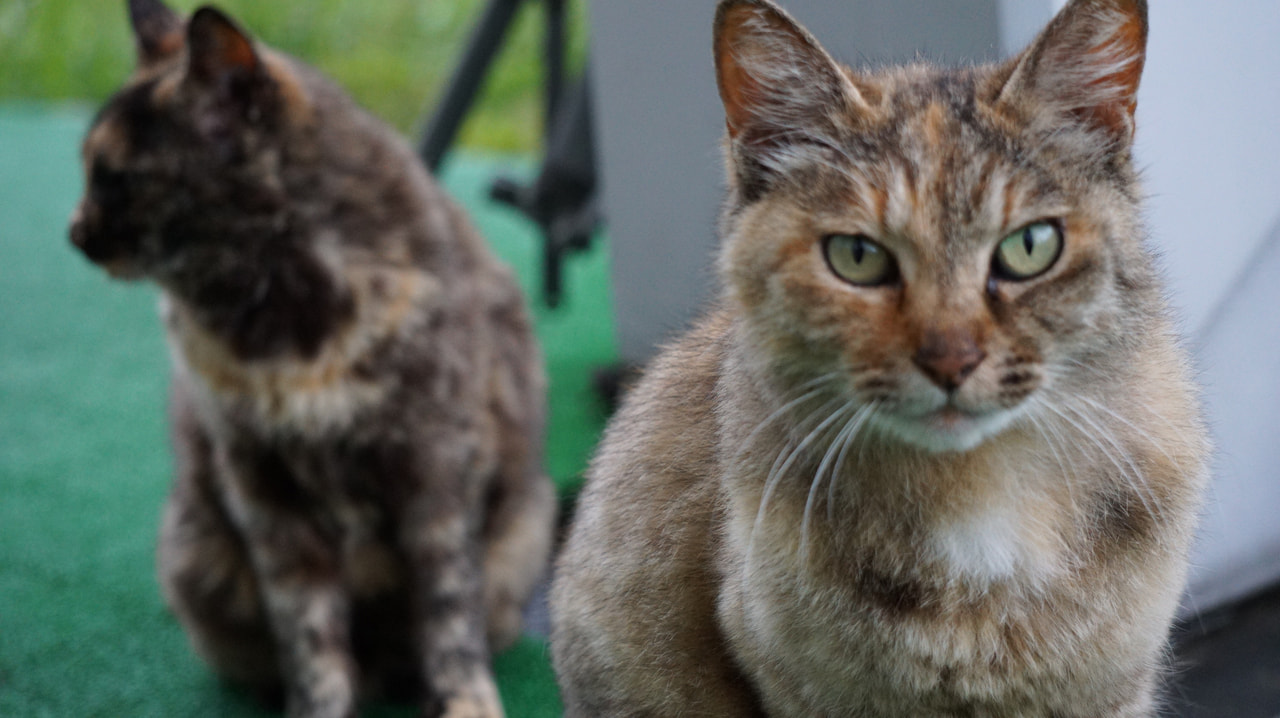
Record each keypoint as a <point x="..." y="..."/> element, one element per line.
<point x="183" y="150"/>
<point x="948" y="250"/>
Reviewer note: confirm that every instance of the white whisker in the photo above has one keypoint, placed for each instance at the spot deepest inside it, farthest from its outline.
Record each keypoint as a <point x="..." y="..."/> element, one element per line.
<point x="810" y="389"/>
<point x="823" y="468"/>
<point x="1057" y="445"/>
<point x="855" y="425"/>
<point x="1097" y="434"/>
<point x="1138" y="430"/>
<point x="782" y="465"/>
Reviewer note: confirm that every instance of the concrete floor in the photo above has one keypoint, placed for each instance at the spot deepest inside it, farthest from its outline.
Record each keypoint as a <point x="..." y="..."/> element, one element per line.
<point x="1229" y="662"/>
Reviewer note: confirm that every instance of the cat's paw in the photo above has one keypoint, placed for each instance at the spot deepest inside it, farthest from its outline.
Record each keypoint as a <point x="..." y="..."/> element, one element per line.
<point x="472" y="707"/>
<point x="479" y="700"/>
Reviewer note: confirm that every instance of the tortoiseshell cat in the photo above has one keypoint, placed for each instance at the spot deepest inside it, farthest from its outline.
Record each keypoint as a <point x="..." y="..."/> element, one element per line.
<point x="936" y="451"/>
<point x="357" y="395"/>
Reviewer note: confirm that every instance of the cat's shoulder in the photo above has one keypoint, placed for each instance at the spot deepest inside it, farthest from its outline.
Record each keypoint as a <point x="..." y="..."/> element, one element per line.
<point x="685" y="371"/>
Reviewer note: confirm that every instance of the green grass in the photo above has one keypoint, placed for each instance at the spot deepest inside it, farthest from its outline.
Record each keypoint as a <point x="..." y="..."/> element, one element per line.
<point x="392" y="55"/>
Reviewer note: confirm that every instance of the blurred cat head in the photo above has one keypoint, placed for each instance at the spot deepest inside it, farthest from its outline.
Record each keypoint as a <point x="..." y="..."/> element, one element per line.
<point x="190" y="143"/>
<point x="952" y="249"/>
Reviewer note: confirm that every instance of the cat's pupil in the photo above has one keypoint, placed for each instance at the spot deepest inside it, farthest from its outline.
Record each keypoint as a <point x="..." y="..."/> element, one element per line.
<point x="859" y="249"/>
<point x="1028" y="241"/>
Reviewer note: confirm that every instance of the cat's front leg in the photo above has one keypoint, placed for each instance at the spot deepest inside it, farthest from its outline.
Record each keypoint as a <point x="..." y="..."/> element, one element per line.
<point x="300" y="580"/>
<point x="440" y="533"/>
<point x="310" y="622"/>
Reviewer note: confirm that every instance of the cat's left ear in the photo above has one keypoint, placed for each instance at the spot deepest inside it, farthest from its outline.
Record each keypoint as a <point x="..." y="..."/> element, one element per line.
<point x="222" y="60"/>
<point x="1087" y="64"/>
<point x="219" y="52"/>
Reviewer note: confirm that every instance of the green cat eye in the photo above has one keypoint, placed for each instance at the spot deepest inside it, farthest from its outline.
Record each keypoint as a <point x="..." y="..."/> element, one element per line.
<point x="1028" y="252"/>
<point x="859" y="260"/>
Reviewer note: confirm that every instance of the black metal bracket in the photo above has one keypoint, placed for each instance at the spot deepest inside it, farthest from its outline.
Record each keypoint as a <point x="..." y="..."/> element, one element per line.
<point x="562" y="198"/>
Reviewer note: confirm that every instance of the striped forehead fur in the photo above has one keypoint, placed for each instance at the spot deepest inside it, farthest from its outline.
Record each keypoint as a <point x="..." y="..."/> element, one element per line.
<point x="798" y="107"/>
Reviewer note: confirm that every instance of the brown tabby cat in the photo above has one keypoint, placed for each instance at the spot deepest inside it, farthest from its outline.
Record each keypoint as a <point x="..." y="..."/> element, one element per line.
<point x="357" y="396"/>
<point x="936" y="451"/>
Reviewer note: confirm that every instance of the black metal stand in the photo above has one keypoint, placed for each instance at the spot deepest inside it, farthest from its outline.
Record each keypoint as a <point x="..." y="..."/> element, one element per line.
<point x="562" y="199"/>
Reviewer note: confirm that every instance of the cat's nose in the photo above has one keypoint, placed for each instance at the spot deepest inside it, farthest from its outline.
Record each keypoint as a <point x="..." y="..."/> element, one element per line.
<point x="77" y="230"/>
<point x="948" y="357"/>
<point x="82" y="220"/>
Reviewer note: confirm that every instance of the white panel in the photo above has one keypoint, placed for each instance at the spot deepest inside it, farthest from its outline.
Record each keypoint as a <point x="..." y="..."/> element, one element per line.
<point x="1239" y="548"/>
<point x="1208" y="141"/>
<point x="1210" y="151"/>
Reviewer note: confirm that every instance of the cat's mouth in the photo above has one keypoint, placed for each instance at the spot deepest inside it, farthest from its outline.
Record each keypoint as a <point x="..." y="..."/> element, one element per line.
<point x="946" y="428"/>
<point x="950" y="418"/>
<point x="104" y="251"/>
<point x="122" y="269"/>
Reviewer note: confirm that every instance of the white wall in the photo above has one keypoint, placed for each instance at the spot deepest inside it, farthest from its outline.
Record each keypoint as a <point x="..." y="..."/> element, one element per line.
<point x="1239" y="355"/>
<point x="1209" y="139"/>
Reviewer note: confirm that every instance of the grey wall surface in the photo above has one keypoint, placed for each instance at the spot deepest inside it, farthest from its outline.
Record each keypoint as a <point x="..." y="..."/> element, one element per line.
<point x="1208" y="145"/>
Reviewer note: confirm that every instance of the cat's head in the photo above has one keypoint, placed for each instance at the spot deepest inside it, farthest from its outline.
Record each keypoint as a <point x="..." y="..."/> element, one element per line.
<point x="950" y="248"/>
<point x="188" y="146"/>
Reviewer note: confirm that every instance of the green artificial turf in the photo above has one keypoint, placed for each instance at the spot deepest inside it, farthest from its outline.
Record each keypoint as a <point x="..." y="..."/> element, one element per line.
<point x="85" y="463"/>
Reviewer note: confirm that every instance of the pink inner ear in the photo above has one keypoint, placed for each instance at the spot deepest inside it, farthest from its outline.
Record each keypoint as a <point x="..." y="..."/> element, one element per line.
<point x="232" y="49"/>
<point x="1123" y="49"/>
<point x="737" y="87"/>
<point x="239" y="53"/>
<point x="217" y="46"/>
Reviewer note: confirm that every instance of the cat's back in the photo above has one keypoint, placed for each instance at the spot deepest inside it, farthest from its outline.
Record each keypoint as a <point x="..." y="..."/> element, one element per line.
<point x="366" y="181"/>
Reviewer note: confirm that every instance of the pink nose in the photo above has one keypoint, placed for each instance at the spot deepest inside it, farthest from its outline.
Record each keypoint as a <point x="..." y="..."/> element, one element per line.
<point x="948" y="357"/>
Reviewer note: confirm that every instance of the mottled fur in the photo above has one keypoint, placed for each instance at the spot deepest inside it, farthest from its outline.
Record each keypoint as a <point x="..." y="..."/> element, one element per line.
<point x="357" y="396"/>
<point x="950" y="493"/>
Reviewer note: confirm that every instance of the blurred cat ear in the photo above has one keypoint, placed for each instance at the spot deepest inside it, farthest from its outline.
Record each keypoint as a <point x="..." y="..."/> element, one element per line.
<point x="1087" y="64"/>
<point x="157" y="28"/>
<point x="225" y="69"/>
<point x="779" y="87"/>
<point x="220" y="53"/>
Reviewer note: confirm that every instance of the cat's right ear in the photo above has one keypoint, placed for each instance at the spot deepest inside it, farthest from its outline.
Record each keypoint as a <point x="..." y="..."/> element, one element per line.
<point x="157" y="29"/>
<point x="780" y="88"/>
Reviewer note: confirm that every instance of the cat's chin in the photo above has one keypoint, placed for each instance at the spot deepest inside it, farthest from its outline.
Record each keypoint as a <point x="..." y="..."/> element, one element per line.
<point x="123" y="270"/>
<point x="945" y="430"/>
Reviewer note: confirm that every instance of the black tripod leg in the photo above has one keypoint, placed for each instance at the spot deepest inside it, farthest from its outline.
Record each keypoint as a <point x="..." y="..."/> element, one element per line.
<point x="466" y="80"/>
<point x="554" y="59"/>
